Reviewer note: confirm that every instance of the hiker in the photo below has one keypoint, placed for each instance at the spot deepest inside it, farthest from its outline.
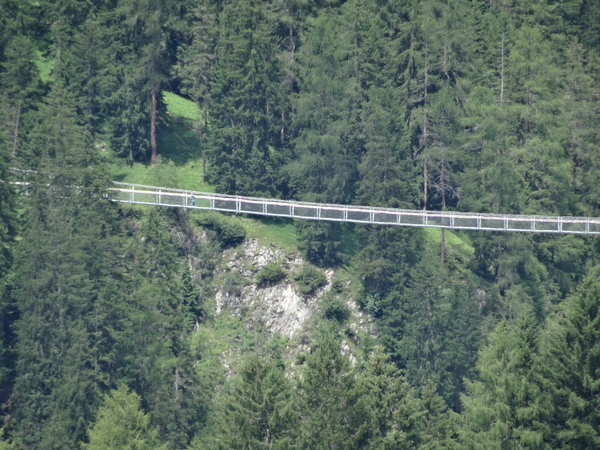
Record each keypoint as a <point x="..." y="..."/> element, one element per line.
<point x="192" y="200"/>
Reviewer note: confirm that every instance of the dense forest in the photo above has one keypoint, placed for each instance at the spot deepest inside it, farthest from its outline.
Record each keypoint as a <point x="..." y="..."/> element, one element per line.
<point x="110" y="338"/>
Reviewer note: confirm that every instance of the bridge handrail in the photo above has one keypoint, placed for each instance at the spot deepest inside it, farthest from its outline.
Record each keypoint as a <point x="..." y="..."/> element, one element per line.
<point x="337" y="207"/>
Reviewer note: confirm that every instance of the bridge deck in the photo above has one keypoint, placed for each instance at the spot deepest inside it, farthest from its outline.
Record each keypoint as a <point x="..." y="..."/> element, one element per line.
<point x="152" y="195"/>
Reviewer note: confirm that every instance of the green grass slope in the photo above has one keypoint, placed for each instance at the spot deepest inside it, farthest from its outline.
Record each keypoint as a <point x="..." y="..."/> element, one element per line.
<point x="180" y="151"/>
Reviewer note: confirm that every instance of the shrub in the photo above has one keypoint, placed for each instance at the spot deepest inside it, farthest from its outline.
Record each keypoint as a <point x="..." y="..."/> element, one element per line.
<point x="336" y="309"/>
<point x="233" y="284"/>
<point x="229" y="232"/>
<point x="309" y="279"/>
<point x="300" y="359"/>
<point x="337" y="286"/>
<point x="272" y="273"/>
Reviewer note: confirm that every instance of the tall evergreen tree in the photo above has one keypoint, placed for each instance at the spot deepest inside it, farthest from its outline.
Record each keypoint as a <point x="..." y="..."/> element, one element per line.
<point x="387" y="414"/>
<point x="54" y="393"/>
<point x="143" y="44"/>
<point x="570" y="369"/>
<point x="503" y="410"/>
<point x="120" y="424"/>
<point x="258" y="410"/>
<point x="248" y="106"/>
<point x="327" y="398"/>
<point x="8" y="233"/>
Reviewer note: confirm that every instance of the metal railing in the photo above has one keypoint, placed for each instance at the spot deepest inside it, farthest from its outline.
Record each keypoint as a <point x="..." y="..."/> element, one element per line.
<point x="179" y="198"/>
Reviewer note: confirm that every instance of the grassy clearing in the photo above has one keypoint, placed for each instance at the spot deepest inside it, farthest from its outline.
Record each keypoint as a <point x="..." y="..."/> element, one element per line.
<point x="180" y="165"/>
<point x="267" y="230"/>
<point x="459" y="242"/>
<point x="181" y="107"/>
<point x="179" y="149"/>
<point x="280" y="232"/>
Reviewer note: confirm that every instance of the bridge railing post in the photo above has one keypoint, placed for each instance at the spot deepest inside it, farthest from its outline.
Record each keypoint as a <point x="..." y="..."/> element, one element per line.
<point x="391" y="216"/>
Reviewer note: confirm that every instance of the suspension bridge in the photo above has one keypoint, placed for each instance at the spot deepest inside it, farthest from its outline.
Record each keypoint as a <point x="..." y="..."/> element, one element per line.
<point x="179" y="198"/>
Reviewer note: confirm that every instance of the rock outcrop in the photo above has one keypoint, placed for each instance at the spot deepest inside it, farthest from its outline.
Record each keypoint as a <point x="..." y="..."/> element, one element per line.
<point x="278" y="307"/>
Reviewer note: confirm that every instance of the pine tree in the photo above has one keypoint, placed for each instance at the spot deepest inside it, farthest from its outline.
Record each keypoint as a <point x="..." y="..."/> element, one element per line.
<point x="19" y="81"/>
<point x="120" y="424"/>
<point x="248" y="110"/>
<point x="503" y="410"/>
<point x="258" y="412"/>
<point x="54" y="393"/>
<point x="438" y="340"/>
<point x="327" y="398"/>
<point x="570" y="369"/>
<point x="326" y="121"/>
<point x="386" y="415"/>
<point x="8" y="233"/>
<point x="142" y="42"/>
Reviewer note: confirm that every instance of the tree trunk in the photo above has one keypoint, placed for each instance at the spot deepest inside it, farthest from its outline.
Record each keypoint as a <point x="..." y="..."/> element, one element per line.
<point x="425" y="176"/>
<point x="16" y="136"/>
<point x="443" y="233"/>
<point x="153" y="126"/>
<point x="443" y="249"/>
<point x="425" y="131"/>
<point x="502" y="72"/>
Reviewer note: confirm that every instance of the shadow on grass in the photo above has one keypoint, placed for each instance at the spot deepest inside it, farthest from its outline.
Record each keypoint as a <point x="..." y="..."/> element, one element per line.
<point x="177" y="141"/>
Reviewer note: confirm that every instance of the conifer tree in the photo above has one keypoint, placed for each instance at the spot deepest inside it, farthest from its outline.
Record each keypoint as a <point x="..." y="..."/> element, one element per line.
<point x="8" y="232"/>
<point x="504" y="409"/>
<point x="570" y="369"/>
<point x="438" y="339"/>
<point x="143" y="51"/>
<point x="327" y="398"/>
<point x="120" y="424"/>
<point x="326" y="122"/>
<point x="19" y="81"/>
<point x="54" y="393"/>
<point x="386" y="415"/>
<point x="246" y="147"/>
<point x="258" y="410"/>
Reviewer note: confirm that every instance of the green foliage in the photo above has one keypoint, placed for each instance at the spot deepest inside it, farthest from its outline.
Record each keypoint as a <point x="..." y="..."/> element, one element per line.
<point x="120" y="424"/>
<point x="61" y="264"/>
<point x="570" y="369"/>
<point x="473" y="106"/>
<point x="336" y="309"/>
<point x="504" y="406"/>
<point x="272" y="273"/>
<point x="309" y="279"/>
<point x="258" y="409"/>
<point x="233" y="284"/>
<point x="246" y="145"/>
<point x="326" y="398"/>
<point x="320" y="242"/>
<point x="229" y="232"/>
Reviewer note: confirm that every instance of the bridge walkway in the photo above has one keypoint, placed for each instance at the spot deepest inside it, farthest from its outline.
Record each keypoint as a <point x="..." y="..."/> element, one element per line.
<point x="179" y="198"/>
